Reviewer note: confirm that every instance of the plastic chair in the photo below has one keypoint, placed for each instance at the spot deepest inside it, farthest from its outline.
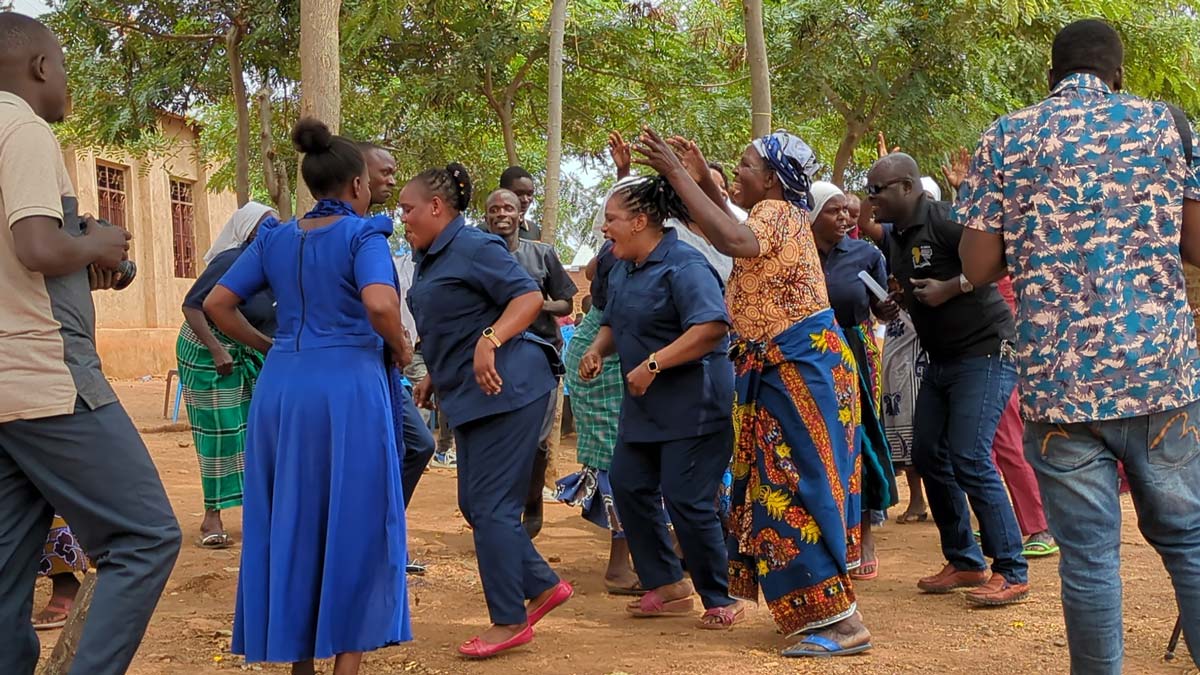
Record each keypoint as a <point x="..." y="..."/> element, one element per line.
<point x="178" y="395"/>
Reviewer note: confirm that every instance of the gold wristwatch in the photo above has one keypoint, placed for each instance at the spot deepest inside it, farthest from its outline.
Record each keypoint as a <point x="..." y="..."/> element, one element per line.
<point x="652" y="363"/>
<point x="490" y="334"/>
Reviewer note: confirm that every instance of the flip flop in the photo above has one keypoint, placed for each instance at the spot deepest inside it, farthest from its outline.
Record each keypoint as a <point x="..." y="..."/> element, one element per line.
<point x="828" y="648"/>
<point x="906" y="518"/>
<point x="635" y="590"/>
<point x="57" y="609"/>
<point x="652" y="605"/>
<point x="726" y="617"/>
<point x="859" y="575"/>
<point x="1039" y="549"/>
<point x="215" y="541"/>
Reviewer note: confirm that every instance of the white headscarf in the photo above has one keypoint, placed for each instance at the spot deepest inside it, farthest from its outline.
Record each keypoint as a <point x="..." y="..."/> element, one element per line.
<point x="931" y="186"/>
<point x="822" y="192"/>
<point x="235" y="233"/>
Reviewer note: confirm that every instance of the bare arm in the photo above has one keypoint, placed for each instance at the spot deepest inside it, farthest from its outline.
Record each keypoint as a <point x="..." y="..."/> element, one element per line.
<point x="518" y="315"/>
<point x="869" y="226"/>
<point x="382" y="303"/>
<point x="982" y="255"/>
<point x="221" y="306"/>
<point x="198" y="322"/>
<point x="693" y="344"/>
<point x="43" y="246"/>
<point x="1189" y="239"/>
<point x="604" y="345"/>
<point x="557" y="307"/>
<point x="590" y="270"/>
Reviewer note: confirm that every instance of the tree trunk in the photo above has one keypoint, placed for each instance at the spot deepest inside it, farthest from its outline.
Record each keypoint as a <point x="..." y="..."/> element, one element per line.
<point x="274" y="175"/>
<point x="845" y="152"/>
<point x="510" y="136"/>
<point x="760" y="73"/>
<point x="320" y="74"/>
<point x="233" y="48"/>
<point x="63" y="655"/>
<point x="558" y="23"/>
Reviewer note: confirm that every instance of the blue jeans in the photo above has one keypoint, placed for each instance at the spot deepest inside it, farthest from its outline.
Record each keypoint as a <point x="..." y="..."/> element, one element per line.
<point x="1076" y="466"/>
<point x="955" y="420"/>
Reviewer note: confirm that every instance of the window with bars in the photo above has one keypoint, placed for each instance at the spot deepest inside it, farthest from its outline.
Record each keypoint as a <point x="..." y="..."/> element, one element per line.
<point x="110" y="187"/>
<point x="183" y="218"/>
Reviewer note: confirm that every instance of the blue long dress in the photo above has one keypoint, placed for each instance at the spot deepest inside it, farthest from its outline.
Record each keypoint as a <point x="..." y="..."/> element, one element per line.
<point x="323" y="555"/>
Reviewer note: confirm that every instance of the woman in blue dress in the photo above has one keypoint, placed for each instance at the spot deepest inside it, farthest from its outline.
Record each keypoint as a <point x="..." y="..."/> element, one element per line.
<point x="323" y="556"/>
<point x="472" y="303"/>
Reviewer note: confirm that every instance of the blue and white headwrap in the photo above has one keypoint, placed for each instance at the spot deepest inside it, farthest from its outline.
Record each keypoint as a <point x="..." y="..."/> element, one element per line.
<point x="793" y="161"/>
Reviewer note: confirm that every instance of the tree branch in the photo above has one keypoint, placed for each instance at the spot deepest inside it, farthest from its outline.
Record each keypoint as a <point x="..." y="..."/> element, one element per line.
<point x="681" y="85"/>
<point x="145" y="30"/>
<point x="836" y="101"/>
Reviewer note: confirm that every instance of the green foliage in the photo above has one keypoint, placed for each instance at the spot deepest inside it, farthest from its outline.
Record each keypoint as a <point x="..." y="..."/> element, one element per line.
<point x="434" y="80"/>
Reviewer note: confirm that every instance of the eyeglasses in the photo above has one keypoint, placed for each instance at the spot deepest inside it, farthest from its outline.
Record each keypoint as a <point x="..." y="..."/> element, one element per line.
<point x="873" y="190"/>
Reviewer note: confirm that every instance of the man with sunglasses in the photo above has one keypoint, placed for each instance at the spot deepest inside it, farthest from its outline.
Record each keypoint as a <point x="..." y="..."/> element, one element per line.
<point x="968" y="335"/>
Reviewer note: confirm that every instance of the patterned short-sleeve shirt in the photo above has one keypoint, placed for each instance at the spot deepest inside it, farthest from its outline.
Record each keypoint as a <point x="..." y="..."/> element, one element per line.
<point x="785" y="283"/>
<point x="1087" y="189"/>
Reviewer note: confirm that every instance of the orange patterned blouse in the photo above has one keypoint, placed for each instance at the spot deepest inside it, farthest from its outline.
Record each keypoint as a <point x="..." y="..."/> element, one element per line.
<point x="784" y="284"/>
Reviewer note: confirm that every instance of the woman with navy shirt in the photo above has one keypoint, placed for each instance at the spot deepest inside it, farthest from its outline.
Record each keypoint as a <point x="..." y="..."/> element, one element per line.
<point x="666" y="320"/>
<point x="473" y="304"/>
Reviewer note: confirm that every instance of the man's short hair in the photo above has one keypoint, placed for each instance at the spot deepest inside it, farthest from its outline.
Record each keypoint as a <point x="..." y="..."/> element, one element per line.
<point x="1090" y="46"/>
<point x="513" y="174"/>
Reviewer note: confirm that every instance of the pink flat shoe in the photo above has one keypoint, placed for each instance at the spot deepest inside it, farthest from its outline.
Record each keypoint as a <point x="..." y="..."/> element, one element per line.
<point x="476" y="648"/>
<point x="562" y="593"/>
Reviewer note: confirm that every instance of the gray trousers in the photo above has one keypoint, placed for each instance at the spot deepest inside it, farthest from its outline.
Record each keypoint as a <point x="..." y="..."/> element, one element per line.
<point x="96" y="472"/>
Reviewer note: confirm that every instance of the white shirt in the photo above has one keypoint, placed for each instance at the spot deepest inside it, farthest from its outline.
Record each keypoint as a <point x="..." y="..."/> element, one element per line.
<point x="405" y="267"/>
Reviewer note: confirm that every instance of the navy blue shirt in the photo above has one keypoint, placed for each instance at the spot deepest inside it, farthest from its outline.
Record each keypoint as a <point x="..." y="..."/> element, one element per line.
<point x="848" y="295"/>
<point x="259" y="310"/>
<point x="462" y="285"/>
<point x="605" y="260"/>
<point x="649" y="307"/>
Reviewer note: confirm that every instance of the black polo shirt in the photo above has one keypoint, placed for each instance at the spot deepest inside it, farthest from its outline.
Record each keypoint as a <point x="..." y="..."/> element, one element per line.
<point x="972" y="324"/>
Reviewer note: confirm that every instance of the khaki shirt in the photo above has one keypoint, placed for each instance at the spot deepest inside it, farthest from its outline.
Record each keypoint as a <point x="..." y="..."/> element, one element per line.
<point x="48" y="354"/>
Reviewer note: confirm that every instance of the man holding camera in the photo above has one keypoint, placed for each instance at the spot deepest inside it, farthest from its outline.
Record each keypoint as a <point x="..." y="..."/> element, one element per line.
<point x="64" y="438"/>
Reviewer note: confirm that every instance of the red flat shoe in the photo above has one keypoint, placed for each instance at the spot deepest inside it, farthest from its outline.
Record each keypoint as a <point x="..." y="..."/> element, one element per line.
<point x="476" y="648"/>
<point x="562" y="593"/>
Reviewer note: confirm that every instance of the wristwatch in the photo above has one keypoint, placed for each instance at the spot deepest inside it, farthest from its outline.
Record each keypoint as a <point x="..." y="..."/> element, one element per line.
<point x="964" y="285"/>
<point x="490" y="334"/>
<point x="652" y="363"/>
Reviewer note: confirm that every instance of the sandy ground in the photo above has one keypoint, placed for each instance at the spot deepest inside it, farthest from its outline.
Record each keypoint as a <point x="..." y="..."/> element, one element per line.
<point x="912" y="632"/>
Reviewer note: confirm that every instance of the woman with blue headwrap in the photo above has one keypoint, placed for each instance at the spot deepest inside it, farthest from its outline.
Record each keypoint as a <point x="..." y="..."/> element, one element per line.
<point x="796" y="497"/>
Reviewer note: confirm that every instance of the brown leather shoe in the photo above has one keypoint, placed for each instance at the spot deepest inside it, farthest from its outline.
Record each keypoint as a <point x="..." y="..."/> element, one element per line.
<point x="952" y="578"/>
<point x="998" y="591"/>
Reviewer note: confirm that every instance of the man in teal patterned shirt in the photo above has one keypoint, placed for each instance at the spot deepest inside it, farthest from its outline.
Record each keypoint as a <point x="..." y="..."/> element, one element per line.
<point x="1088" y="200"/>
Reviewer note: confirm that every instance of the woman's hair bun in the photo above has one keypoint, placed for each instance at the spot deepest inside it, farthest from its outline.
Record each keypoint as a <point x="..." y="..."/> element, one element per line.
<point x="312" y="136"/>
<point x="461" y="181"/>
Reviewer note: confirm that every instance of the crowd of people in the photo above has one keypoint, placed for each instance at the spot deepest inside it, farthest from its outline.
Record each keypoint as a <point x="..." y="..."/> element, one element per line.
<point x="740" y="425"/>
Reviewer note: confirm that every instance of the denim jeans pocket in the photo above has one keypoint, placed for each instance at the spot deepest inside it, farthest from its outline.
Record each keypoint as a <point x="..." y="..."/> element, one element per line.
<point x="1173" y="437"/>
<point x="1064" y="447"/>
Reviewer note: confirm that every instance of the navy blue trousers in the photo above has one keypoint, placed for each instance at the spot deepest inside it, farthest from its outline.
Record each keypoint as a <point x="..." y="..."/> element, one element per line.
<point x="685" y="474"/>
<point x="418" y="447"/>
<point x="495" y="459"/>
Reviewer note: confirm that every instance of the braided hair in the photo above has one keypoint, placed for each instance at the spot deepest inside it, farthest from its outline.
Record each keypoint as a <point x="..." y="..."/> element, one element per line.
<point x="654" y="197"/>
<point x="452" y="184"/>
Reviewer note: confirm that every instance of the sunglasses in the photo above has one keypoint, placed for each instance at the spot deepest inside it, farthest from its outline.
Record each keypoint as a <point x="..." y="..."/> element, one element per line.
<point x="873" y="190"/>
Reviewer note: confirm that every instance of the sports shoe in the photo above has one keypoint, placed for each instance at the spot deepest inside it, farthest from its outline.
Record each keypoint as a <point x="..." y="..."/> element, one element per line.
<point x="415" y="568"/>
<point x="445" y="460"/>
<point x="998" y="591"/>
<point x="951" y="578"/>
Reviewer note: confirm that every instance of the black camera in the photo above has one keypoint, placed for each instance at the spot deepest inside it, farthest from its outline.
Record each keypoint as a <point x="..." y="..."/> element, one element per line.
<point x="127" y="269"/>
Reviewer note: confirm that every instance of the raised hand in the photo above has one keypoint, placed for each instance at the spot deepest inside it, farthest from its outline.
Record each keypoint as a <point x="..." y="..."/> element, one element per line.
<point x="881" y="145"/>
<point x="690" y="156"/>
<point x="956" y="171"/>
<point x="620" y="152"/>
<point x="656" y="153"/>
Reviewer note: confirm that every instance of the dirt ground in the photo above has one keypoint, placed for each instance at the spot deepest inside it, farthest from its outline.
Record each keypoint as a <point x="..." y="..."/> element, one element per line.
<point x="913" y="633"/>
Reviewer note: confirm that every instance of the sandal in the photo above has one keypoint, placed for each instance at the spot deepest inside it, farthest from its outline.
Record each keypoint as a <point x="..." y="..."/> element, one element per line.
<point x="54" y="615"/>
<point x="866" y="571"/>
<point x="826" y="646"/>
<point x="912" y="517"/>
<point x="635" y="590"/>
<point x="215" y="541"/>
<point x="1039" y="549"/>
<point x="726" y="617"/>
<point x="652" y="605"/>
